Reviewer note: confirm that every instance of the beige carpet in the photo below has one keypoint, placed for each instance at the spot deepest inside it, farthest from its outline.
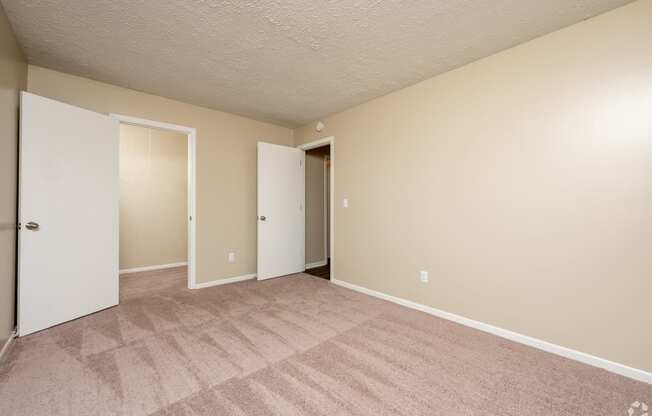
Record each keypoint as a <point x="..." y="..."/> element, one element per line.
<point x="290" y="346"/>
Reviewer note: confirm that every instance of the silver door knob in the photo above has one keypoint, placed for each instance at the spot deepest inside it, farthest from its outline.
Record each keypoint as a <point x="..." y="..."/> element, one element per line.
<point x="33" y="226"/>
<point x="263" y="218"/>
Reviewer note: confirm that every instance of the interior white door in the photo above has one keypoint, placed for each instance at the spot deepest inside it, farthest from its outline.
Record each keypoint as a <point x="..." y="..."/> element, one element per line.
<point x="68" y="211"/>
<point x="281" y="216"/>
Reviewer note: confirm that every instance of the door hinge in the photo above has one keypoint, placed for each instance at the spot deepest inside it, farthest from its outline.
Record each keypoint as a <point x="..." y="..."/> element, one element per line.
<point x="190" y="218"/>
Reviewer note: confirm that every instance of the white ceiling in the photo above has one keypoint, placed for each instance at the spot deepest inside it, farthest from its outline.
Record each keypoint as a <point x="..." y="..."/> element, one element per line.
<point x="288" y="62"/>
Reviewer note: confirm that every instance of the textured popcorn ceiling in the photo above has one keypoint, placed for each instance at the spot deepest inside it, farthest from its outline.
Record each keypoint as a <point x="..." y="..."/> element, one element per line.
<point x="288" y="62"/>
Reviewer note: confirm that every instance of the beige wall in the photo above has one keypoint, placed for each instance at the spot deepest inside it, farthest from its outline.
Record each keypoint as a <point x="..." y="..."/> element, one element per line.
<point x="315" y="204"/>
<point x="13" y="78"/>
<point x="153" y="197"/>
<point x="226" y="162"/>
<point x="522" y="182"/>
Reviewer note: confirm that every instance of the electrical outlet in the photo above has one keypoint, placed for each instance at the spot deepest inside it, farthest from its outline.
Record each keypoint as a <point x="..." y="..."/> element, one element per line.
<point x="345" y="203"/>
<point x="423" y="276"/>
<point x="231" y="257"/>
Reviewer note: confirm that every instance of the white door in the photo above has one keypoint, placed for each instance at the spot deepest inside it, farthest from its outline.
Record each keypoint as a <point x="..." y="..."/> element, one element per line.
<point x="68" y="211"/>
<point x="281" y="217"/>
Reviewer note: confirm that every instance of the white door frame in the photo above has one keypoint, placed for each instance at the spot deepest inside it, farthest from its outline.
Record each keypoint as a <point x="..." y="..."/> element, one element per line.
<point x="192" y="174"/>
<point x="326" y="141"/>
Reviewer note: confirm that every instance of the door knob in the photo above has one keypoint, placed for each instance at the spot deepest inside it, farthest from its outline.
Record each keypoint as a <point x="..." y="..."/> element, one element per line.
<point x="33" y="226"/>
<point x="263" y="218"/>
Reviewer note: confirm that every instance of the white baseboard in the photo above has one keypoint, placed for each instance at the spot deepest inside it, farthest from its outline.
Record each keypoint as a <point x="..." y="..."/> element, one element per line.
<point x="592" y="360"/>
<point x="155" y="267"/>
<point x="5" y="347"/>
<point x="225" y="281"/>
<point x="316" y="264"/>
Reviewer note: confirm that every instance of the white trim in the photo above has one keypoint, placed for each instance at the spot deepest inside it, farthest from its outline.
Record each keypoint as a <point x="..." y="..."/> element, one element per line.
<point x="192" y="181"/>
<point x="582" y="357"/>
<point x="317" y="264"/>
<point x="318" y="143"/>
<point x="5" y="347"/>
<point x="328" y="141"/>
<point x="154" y="267"/>
<point x="226" y="281"/>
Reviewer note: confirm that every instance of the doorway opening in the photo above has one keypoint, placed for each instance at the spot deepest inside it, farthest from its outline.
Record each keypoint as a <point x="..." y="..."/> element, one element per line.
<point x="281" y="216"/>
<point x="157" y="197"/>
<point x="319" y="193"/>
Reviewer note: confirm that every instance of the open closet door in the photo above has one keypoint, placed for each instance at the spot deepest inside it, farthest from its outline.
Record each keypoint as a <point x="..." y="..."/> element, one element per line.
<point x="68" y="213"/>
<point x="281" y="216"/>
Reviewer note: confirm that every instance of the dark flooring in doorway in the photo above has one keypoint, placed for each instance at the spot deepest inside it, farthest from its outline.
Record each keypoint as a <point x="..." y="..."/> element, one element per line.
<point x="323" y="271"/>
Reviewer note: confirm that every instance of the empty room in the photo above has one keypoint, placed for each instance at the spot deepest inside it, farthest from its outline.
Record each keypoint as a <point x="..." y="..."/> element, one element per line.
<point x="326" y="208"/>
